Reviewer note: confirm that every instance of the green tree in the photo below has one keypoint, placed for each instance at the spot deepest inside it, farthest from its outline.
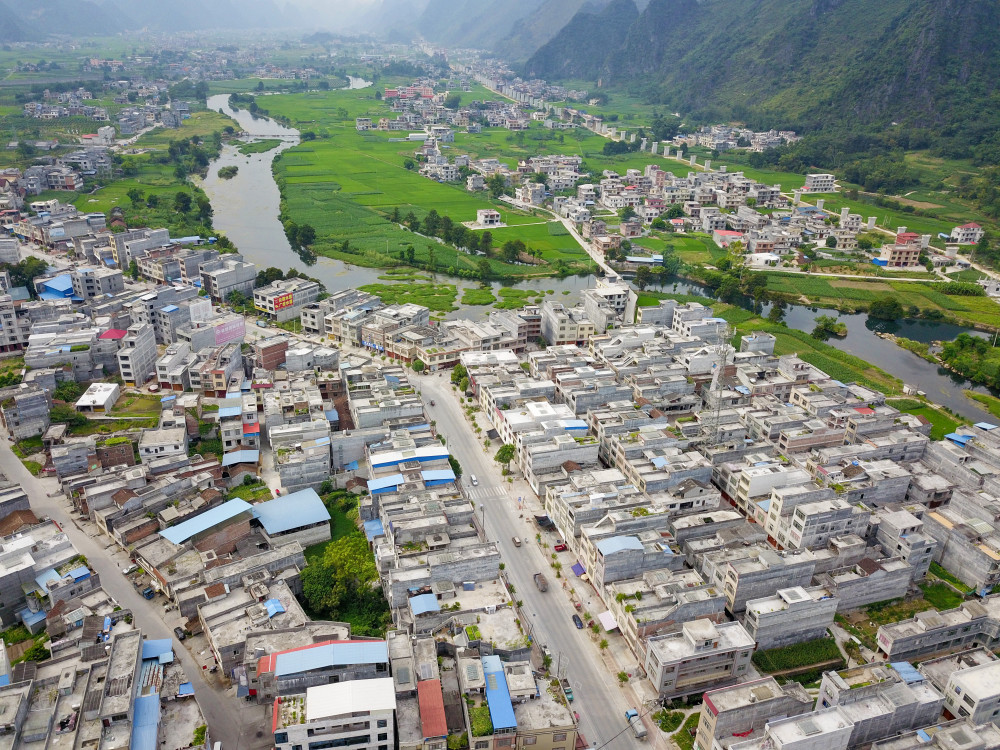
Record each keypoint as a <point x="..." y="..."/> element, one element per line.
<point x="418" y="366"/>
<point x="237" y="300"/>
<point x="496" y="184"/>
<point x="886" y="308"/>
<point x="133" y="270"/>
<point x="625" y="213"/>
<point x="307" y="235"/>
<point x="831" y="241"/>
<point x="136" y="196"/>
<point x="453" y="100"/>
<point x="484" y="269"/>
<point x="457" y="373"/>
<point x="505" y="454"/>
<point x="642" y="277"/>
<point x="182" y="202"/>
<point x="409" y="164"/>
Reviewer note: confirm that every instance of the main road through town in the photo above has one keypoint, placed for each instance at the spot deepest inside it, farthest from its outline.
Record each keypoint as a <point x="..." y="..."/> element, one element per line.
<point x="232" y="722"/>
<point x="598" y="698"/>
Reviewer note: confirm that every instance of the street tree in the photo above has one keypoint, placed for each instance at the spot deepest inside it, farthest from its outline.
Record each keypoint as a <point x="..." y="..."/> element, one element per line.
<point x="505" y="454"/>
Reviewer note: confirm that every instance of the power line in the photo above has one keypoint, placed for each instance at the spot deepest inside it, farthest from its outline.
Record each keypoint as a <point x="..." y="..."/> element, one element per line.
<point x="628" y="727"/>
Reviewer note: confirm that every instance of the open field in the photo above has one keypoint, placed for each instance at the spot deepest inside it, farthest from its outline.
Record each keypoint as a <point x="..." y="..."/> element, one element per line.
<point x="858" y="293"/>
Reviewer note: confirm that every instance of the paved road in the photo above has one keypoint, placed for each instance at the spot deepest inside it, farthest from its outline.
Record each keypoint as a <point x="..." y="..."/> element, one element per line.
<point x="226" y="716"/>
<point x="598" y="698"/>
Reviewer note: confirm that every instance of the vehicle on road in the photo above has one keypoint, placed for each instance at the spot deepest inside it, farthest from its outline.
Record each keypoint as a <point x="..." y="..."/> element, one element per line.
<point x="567" y="689"/>
<point x="148" y="592"/>
<point x="545" y="522"/>
<point x="432" y="403"/>
<point x="130" y="569"/>
<point x="517" y="541"/>
<point x="632" y="716"/>
<point x="578" y="622"/>
<point x="540" y="583"/>
<point x="560" y="545"/>
<point x="179" y="632"/>
<point x="472" y="478"/>
<point x="262" y="323"/>
<point x="153" y="388"/>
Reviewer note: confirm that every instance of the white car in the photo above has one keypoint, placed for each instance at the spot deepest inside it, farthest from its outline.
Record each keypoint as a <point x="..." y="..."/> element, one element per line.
<point x="472" y="478"/>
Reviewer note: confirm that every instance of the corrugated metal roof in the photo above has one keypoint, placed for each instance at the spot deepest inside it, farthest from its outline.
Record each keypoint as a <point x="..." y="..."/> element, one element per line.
<point x="618" y="544"/>
<point x="183" y="531"/>
<point x="430" y="699"/>
<point x="230" y="411"/>
<point x="437" y="474"/>
<point x="145" y="722"/>
<point x="324" y="655"/>
<point x="274" y="607"/>
<point x="302" y="508"/>
<point x="245" y="456"/>
<point x="498" y="694"/>
<point x="384" y="483"/>
<point x="424" y="603"/>
<point x="423" y="453"/>
<point x="374" y="529"/>
<point x="155" y="648"/>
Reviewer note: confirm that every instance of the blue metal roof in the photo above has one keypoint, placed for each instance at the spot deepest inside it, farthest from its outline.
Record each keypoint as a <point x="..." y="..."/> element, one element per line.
<point x="332" y="415"/>
<point x="145" y="722"/>
<point x="327" y="654"/>
<point x="424" y="603"/>
<point x="302" y="508"/>
<point x="31" y="618"/>
<point x="374" y="529"/>
<point x="352" y="466"/>
<point x="907" y="671"/>
<point x="765" y="505"/>
<point x="959" y="439"/>
<point x="274" y="607"/>
<point x="156" y="648"/>
<point x="498" y="694"/>
<point x="169" y="309"/>
<point x="437" y="475"/>
<point x="79" y="574"/>
<point x="384" y="484"/>
<point x="578" y="568"/>
<point x="574" y="424"/>
<point x="61" y="283"/>
<point x="618" y="544"/>
<point x="423" y="453"/>
<point x="185" y="688"/>
<point x="985" y="426"/>
<point x="220" y="514"/>
<point x="44" y="577"/>
<point x="230" y="411"/>
<point x="245" y="456"/>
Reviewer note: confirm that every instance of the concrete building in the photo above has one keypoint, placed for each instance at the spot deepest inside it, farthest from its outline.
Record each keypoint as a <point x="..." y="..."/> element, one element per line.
<point x="700" y="657"/>
<point x="974" y="693"/>
<point x="825" y="729"/>
<point x="733" y="714"/>
<point x="96" y="282"/>
<point x="230" y="273"/>
<point x="24" y="410"/>
<point x="137" y="355"/>
<point x="820" y="183"/>
<point x="792" y="615"/>
<point x="358" y="714"/>
<point x="764" y="572"/>
<point x="300" y="516"/>
<point x="284" y="299"/>
<point x="15" y="329"/>
<point x="564" y="325"/>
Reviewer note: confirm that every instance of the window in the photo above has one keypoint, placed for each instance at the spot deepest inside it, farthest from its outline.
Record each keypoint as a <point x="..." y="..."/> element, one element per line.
<point x="280" y="737"/>
<point x="482" y="745"/>
<point x="530" y="740"/>
<point x="560" y="737"/>
<point x="383" y="736"/>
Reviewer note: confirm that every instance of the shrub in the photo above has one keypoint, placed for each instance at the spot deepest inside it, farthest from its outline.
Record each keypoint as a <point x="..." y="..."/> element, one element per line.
<point x="797" y="655"/>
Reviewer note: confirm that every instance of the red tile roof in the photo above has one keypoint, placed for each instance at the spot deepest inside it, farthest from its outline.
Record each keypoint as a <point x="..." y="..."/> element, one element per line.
<point x="430" y="700"/>
<point x="113" y="333"/>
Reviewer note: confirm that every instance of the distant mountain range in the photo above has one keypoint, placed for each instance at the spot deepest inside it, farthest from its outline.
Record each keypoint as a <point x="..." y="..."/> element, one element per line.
<point x="809" y="62"/>
<point x="41" y="18"/>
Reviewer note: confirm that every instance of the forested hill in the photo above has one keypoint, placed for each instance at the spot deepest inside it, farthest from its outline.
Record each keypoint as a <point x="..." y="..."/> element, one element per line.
<point x="597" y="30"/>
<point x="803" y="63"/>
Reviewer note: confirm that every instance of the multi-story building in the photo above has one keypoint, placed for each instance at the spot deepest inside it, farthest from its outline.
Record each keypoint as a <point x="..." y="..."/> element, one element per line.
<point x="96" y="282"/>
<point x="764" y="572"/>
<point x="820" y="183"/>
<point x="564" y="325"/>
<point x="700" y="657"/>
<point x="137" y="355"/>
<point x="792" y="615"/>
<point x="360" y="714"/>
<point x="284" y="299"/>
<point x="228" y="274"/>
<point x="14" y="330"/>
<point x="974" y="692"/>
<point x="729" y="714"/>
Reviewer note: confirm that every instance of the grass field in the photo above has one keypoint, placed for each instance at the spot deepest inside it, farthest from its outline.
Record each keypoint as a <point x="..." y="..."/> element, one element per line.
<point x="942" y="423"/>
<point x="858" y="293"/>
<point x="258" y="147"/>
<point x="437" y="297"/>
<point x="991" y="403"/>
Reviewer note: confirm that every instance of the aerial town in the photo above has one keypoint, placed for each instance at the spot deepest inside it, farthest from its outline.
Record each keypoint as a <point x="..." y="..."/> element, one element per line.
<point x="252" y="497"/>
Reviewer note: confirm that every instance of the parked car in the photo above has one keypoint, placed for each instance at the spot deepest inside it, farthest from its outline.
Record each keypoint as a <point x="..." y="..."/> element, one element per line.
<point x="472" y="478"/>
<point x="181" y="635"/>
<point x="560" y="545"/>
<point x="578" y="622"/>
<point x="130" y="569"/>
<point x="517" y="541"/>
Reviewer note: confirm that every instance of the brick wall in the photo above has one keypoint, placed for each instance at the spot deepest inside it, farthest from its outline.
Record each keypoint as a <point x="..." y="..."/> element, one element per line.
<point x="224" y="540"/>
<point x="141" y="532"/>
<point x="116" y="455"/>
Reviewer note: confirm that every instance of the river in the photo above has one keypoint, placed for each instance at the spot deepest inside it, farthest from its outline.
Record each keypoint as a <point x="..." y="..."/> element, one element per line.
<point x="246" y="209"/>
